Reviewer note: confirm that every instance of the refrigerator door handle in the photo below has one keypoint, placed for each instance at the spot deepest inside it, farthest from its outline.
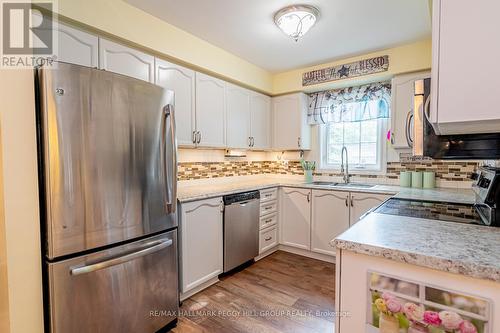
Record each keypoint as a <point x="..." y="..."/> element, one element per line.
<point x="152" y="248"/>
<point x="170" y="189"/>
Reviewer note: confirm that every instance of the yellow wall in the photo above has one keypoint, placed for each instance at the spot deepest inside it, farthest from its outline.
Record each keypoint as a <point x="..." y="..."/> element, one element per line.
<point x="125" y="21"/>
<point x="20" y="201"/>
<point x="403" y="59"/>
<point x="4" y="287"/>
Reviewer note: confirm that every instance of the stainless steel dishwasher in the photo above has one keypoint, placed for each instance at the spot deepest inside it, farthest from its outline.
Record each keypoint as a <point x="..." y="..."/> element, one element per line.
<point x="241" y="228"/>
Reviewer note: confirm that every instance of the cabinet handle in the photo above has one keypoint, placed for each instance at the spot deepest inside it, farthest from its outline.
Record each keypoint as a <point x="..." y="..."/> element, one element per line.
<point x="352" y="201"/>
<point x="409" y="118"/>
<point x="253" y="141"/>
<point x="347" y="201"/>
<point x="268" y="195"/>
<point x="392" y="137"/>
<point x="268" y="207"/>
<point x="268" y="220"/>
<point x="309" y="197"/>
<point x="298" y="141"/>
<point x="199" y="137"/>
<point x="268" y="239"/>
<point x="193" y="138"/>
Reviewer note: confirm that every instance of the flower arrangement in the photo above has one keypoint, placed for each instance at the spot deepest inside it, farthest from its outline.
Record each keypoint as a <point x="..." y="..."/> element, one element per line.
<point x="417" y="318"/>
<point x="444" y="321"/>
<point x="388" y="304"/>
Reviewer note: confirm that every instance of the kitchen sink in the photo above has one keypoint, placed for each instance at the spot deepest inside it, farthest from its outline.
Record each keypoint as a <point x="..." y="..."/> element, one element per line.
<point x="324" y="183"/>
<point x="353" y="185"/>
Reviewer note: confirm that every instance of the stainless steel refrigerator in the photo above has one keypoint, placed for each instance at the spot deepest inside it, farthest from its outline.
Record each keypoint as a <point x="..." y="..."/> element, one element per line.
<point x="108" y="172"/>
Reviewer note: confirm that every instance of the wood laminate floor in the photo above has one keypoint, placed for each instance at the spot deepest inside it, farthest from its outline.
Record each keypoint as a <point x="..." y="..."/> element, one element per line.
<point x="283" y="292"/>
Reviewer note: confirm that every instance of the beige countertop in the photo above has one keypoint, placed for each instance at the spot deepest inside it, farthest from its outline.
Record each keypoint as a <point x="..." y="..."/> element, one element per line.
<point x="460" y="248"/>
<point x="210" y="188"/>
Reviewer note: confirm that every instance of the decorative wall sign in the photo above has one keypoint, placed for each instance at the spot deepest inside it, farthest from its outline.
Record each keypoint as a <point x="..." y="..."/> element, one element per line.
<point x="345" y="71"/>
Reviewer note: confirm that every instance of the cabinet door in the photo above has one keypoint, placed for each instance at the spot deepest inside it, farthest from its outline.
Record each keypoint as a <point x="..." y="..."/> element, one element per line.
<point x="73" y="46"/>
<point x="403" y="91"/>
<point x="295" y="218"/>
<point x="363" y="202"/>
<point x="202" y="247"/>
<point x="210" y="111"/>
<point x="290" y="129"/>
<point x="465" y="87"/>
<point x="260" y="110"/>
<point x="330" y="218"/>
<point x="181" y="81"/>
<point x="124" y="60"/>
<point x="238" y="116"/>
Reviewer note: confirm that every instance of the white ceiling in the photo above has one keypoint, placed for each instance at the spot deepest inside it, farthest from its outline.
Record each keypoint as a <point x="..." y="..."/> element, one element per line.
<point x="345" y="27"/>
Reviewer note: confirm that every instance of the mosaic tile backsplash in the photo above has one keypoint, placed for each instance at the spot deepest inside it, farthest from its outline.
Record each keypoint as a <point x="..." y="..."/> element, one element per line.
<point x="445" y="170"/>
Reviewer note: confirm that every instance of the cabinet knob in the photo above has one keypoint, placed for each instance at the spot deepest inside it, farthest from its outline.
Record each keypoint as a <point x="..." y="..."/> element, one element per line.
<point x="268" y="239"/>
<point x="298" y="141"/>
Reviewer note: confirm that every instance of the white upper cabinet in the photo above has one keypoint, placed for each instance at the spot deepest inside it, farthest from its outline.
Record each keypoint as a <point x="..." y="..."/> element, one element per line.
<point x="181" y="81"/>
<point x="295" y="217"/>
<point x="238" y="117"/>
<point x="330" y="218"/>
<point x="210" y="111"/>
<point x="260" y="111"/>
<point x="77" y="47"/>
<point x="361" y="203"/>
<point x="73" y="46"/>
<point x="290" y="128"/>
<point x="402" y="108"/>
<point x="465" y="80"/>
<point x="124" y="60"/>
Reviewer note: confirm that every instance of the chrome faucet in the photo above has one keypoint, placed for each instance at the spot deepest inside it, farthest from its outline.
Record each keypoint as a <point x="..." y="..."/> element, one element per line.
<point x="345" y="171"/>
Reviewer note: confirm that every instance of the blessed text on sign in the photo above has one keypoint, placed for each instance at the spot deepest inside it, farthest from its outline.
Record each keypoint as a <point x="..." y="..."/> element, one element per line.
<point x="345" y="71"/>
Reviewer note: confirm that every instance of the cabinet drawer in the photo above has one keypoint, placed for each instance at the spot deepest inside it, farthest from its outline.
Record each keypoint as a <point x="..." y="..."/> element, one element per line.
<point x="268" y="195"/>
<point x="268" y="220"/>
<point x="268" y="239"/>
<point x="268" y="208"/>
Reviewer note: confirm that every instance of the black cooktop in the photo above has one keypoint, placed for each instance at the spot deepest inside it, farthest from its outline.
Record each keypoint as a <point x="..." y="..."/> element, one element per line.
<point x="443" y="211"/>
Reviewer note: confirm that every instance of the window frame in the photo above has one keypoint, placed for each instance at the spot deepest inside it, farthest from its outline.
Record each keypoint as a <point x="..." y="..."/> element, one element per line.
<point x="380" y="169"/>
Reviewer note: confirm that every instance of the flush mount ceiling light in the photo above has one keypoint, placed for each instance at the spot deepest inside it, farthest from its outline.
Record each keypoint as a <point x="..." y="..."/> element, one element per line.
<point x="296" y="20"/>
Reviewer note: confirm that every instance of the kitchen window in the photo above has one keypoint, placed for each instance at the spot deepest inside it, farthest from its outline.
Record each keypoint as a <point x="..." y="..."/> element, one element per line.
<point x="364" y="141"/>
<point x="355" y="118"/>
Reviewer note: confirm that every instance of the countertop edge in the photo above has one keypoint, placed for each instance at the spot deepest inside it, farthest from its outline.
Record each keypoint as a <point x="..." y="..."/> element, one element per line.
<point x="209" y="195"/>
<point x="436" y="263"/>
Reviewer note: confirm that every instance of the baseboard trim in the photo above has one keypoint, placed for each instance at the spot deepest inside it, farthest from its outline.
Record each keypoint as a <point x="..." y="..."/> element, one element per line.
<point x="199" y="288"/>
<point x="306" y="253"/>
<point x="268" y="252"/>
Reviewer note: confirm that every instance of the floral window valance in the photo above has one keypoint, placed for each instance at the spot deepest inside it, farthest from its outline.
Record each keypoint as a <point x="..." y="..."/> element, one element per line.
<point x="371" y="101"/>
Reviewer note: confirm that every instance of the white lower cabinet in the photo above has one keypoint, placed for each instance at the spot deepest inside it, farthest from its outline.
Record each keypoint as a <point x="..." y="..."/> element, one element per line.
<point x="201" y="228"/>
<point x="268" y="238"/>
<point x="295" y="217"/>
<point x="330" y="218"/>
<point x="363" y="202"/>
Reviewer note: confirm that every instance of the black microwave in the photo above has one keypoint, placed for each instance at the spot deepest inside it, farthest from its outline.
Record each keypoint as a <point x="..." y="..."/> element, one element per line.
<point x="463" y="146"/>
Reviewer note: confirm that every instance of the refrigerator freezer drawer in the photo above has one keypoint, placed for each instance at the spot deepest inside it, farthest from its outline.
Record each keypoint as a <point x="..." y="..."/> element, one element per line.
<point x="129" y="288"/>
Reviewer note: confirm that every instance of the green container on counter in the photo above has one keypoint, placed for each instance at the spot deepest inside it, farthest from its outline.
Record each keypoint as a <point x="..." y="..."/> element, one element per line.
<point x="416" y="179"/>
<point x="405" y="179"/>
<point x="429" y="179"/>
